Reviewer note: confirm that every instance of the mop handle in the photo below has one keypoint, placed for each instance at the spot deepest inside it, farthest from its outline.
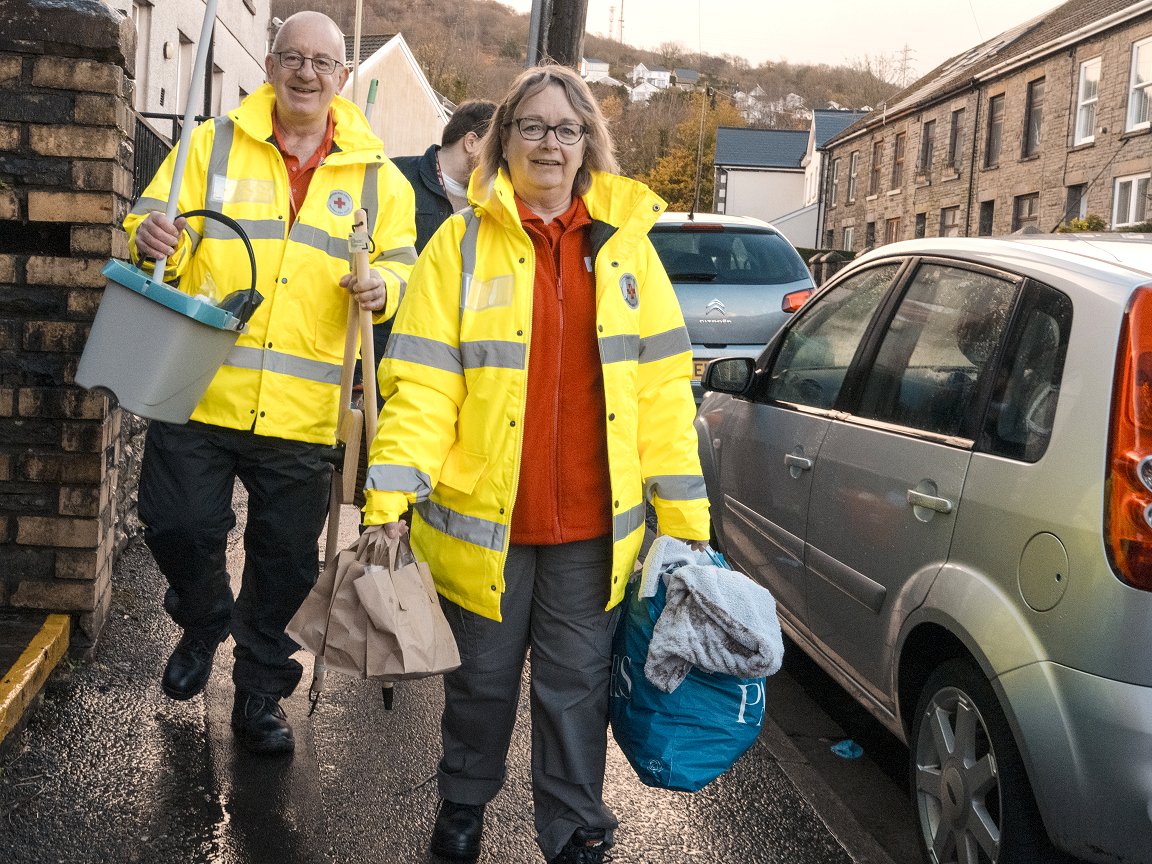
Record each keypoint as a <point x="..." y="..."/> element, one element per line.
<point x="195" y="94"/>
<point x="367" y="345"/>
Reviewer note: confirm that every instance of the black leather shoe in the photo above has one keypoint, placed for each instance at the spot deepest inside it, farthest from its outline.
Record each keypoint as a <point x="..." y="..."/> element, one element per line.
<point x="189" y="667"/>
<point x="587" y="846"/>
<point x="260" y="725"/>
<point x="456" y="836"/>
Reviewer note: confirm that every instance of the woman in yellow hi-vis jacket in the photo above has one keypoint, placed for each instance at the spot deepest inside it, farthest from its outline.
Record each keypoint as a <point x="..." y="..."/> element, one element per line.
<point x="537" y="386"/>
<point x="292" y="164"/>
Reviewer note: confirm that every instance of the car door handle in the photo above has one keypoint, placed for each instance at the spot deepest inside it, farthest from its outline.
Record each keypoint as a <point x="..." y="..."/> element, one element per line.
<point x="932" y="502"/>
<point x="793" y="461"/>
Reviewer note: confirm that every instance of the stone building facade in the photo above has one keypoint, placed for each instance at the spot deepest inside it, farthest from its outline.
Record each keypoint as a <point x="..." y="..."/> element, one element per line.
<point x="65" y="181"/>
<point x="1043" y="124"/>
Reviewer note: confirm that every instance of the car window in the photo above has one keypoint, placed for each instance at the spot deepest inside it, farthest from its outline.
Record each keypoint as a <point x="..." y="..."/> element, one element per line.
<point x="813" y="359"/>
<point x="1019" y="422"/>
<point x="939" y="346"/>
<point x="732" y="256"/>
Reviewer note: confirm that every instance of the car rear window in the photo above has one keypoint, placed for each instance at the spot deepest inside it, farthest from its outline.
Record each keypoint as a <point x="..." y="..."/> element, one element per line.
<point x="734" y="256"/>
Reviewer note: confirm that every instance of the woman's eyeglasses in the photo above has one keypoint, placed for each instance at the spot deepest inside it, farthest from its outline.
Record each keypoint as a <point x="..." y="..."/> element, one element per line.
<point x="320" y="65"/>
<point x="535" y="130"/>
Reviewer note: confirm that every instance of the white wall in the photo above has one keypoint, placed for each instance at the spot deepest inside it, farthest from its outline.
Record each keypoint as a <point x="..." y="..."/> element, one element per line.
<point x="763" y="194"/>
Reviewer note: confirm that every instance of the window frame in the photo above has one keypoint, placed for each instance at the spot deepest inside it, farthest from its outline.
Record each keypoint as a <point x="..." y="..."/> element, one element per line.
<point x="927" y="148"/>
<point x="833" y="182"/>
<point x="956" y="140"/>
<point x="892" y="230"/>
<point x="899" y="150"/>
<point x="853" y="169"/>
<point x="1133" y="197"/>
<point x="847" y="237"/>
<point x="994" y="136"/>
<point x="877" y="163"/>
<point x="1017" y="200"/>
<point x="1030" y="136"/>
<point x="1130" y="125"/>
<point x="1083" y="103"/>
<point x="952" y="226"/>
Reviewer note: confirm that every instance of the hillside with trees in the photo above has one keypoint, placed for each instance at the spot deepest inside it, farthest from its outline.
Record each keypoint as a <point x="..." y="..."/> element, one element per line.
<point x="474" y="48"/>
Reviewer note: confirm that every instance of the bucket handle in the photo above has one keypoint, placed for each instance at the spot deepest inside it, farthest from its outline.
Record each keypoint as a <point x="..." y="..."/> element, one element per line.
<point x="254" y="298"/>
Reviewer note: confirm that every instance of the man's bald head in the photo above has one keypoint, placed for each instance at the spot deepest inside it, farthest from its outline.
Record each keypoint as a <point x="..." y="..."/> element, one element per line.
<point x="314" y="22"/>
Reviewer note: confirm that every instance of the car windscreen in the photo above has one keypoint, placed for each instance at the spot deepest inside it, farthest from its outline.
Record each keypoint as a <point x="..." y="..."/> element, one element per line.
<point x="733" y="256"/>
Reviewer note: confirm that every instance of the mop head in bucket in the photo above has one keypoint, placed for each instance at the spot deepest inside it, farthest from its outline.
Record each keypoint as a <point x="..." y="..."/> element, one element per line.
<point x="155" y="348"/>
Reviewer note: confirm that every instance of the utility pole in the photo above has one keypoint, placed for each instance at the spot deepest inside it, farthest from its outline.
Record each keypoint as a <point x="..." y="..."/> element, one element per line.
<point x="556" y="32"/>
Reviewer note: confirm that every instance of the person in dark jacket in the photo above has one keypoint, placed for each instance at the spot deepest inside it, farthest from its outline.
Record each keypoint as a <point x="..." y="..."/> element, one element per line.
<point x="439" y="177"/>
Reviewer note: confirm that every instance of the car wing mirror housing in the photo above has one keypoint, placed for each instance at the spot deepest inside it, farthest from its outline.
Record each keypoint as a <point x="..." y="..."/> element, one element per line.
<point x="728" y="375"/>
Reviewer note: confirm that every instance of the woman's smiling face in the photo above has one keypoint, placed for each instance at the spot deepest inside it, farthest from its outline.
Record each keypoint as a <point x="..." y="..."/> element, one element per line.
<point x="543" y="170"/>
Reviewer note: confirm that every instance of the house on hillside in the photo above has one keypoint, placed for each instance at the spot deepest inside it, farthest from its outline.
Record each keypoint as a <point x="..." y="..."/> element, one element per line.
<point x="759" y="173"/>
<point x="593" y="70"/>
<point x="643" y="91"/>
<point x="166" y="35"/>
<point x="657" y="76"/>
<point x="408" y="114"/>
<point x="1046" y="122"/>
<point x="685" y="79"/>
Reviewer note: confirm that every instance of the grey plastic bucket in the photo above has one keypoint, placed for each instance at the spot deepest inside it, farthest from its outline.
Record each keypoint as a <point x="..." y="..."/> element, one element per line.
<point x="156" y="349"/>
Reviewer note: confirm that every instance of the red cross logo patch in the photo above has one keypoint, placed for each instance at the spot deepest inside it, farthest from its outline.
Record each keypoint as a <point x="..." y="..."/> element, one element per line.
<point x="340" y="203"/>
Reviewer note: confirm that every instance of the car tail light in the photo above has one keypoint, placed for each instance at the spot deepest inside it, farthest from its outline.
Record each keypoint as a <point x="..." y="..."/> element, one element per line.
<point x="795" y="299"/>
<point x="1128" y="526"/>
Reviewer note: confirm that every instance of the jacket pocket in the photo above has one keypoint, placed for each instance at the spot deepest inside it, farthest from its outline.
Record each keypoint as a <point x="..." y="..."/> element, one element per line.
<point x="462" y="469"/>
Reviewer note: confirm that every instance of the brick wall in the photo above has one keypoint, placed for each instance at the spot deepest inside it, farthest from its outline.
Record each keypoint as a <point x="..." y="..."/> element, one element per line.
<point x="65" y="177"/>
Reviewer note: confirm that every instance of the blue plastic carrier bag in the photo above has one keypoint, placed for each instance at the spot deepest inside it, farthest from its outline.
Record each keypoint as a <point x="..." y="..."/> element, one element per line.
<point x="685" y="739"/>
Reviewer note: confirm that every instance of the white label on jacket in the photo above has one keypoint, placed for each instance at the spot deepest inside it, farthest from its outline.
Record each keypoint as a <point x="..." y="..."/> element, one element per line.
<point x="246" y="190"/>
<point x="630" y="289"/>
<point x="490" y="293"/>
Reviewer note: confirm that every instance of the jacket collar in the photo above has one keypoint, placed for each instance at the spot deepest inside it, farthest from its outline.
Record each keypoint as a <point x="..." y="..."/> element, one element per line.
<point x="354" y="139"/>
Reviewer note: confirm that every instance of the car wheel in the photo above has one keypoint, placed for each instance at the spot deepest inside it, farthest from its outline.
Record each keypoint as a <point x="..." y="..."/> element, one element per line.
<point x="973" y="801"/>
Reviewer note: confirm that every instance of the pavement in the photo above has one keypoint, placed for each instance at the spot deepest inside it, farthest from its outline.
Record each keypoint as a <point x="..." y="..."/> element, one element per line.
<point x="108" y="769"/>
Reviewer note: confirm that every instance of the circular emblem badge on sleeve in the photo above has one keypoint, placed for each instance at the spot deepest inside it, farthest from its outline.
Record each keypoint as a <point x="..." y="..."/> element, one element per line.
<point x="340" y="203"/>
<point x="630" y="289"/>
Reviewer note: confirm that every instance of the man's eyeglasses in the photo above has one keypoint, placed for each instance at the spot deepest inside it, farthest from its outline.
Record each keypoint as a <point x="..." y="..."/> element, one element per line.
<point x="320" y="65"/>
<point x="531" y="129"/>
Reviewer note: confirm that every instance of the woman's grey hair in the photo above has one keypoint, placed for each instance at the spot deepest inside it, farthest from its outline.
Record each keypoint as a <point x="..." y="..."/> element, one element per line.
<point x="599" y="151"/>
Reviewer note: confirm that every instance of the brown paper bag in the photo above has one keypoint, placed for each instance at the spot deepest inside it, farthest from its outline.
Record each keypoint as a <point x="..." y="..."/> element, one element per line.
<point x="374" y="613"/>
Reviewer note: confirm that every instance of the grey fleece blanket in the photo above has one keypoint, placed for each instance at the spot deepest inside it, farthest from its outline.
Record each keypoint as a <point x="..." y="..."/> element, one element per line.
<point x="714" y="618"/>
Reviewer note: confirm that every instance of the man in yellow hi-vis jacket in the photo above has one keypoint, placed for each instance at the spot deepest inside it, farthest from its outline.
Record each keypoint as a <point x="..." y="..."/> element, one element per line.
<point x="291" y="165"/>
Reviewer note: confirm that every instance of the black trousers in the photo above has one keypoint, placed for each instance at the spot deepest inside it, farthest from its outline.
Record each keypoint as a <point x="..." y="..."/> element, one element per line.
<point x="186" y="484"/>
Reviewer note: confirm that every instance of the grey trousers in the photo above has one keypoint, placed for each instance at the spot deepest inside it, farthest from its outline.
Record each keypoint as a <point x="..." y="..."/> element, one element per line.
<point x="554" y="604"/>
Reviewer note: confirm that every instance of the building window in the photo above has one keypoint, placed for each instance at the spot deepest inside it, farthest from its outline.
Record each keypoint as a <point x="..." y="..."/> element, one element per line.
<point x="1033" y="118"/>
<point x="995" y="131"/>
<point x="956" y="140"/>
<point x="921" y="225"/>
<point x="1086" y="102"/>
<point x="927" y="145"/>
<point x="950" y="222"/>
<point x="853" y="166"/>
<point x="1130" y="200"/>
<point x="877" y="159"/>
<point x="1025" y="211"/>
<point x="1076" y="204"/>
<point x="829" y="238"/>
<point x="869" y="235"/>
<point x="898" y="145"/>
<point x="987" y="213"/>
<point x="834" y="183"/>
<point x="848" y="238"/>
<point x="892" y="230"/>
<point x="142" y="18"/>
<point x="1140" y="86"/>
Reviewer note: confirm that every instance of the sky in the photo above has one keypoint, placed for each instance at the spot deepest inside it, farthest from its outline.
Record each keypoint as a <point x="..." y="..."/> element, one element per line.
<point x="817" y="31"/>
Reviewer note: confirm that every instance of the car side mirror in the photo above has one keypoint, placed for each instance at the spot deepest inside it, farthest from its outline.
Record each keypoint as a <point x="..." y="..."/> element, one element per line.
<point x="728" y="375"/>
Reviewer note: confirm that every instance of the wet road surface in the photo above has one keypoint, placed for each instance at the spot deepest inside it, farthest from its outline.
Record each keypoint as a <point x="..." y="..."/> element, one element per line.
<point x="110" y="770"/>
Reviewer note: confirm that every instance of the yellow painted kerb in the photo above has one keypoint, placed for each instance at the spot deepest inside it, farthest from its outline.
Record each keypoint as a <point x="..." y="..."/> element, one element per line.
<point x="28" y="674"/>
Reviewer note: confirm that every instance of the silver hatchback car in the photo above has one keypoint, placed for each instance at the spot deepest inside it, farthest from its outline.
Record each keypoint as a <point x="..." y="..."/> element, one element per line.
<point x="942" y="468"/>
<point x="737" y="280"/>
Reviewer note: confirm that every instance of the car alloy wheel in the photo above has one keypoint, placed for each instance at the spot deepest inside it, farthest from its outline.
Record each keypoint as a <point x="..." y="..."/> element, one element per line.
<point x="973" y="801"/>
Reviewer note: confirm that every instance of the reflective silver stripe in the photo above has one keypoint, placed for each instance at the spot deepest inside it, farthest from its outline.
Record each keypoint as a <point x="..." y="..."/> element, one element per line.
<point x="675" y="487"/>
<point x="666" y="344"/>
<point x="426" y="352"/>
<point x="625" y="523"/>
<point x="492" y="352"/>
<point x="144" y="206"/>
<point x="614" y="349"/>
<point x="468" y="255"/>
<point x="284" y="364"/>
<point x="401" y="281"/>
<point x="256" y="229"/>
<point x="470" y="529"/>
<point x="218" y="160"/>
<point x="399" y="478"/>
<point x="194" y="235"/>
<point x="369" y="200"/>
<point x="336" y="247"/>
<point x="399" y="255"/>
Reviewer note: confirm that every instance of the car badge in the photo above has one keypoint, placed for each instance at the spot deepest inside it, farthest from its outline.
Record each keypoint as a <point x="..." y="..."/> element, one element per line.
<point x="630" y="289"/>
<point x="714" y="306"/>
<point x="340" y="203"/>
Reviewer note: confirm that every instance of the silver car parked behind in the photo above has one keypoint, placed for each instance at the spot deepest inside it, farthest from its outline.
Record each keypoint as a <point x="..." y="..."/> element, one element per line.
<point x="942" y="468"/>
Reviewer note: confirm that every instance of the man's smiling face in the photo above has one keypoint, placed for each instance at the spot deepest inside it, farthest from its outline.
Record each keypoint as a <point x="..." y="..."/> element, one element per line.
<point x="302" y="95"/>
